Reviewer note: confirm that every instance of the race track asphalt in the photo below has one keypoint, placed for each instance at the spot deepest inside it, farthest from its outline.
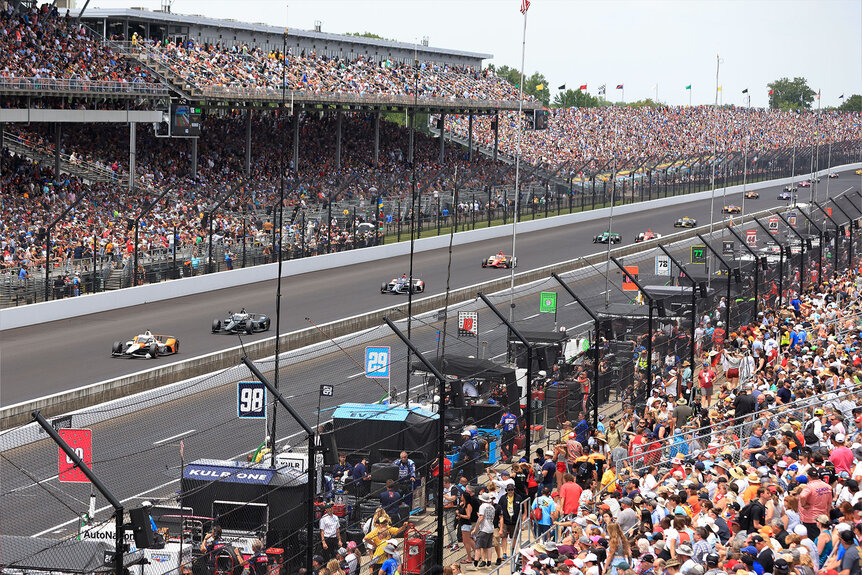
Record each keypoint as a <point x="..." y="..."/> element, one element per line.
<point x="135" y="455"/>
<point x="59" y="356"/>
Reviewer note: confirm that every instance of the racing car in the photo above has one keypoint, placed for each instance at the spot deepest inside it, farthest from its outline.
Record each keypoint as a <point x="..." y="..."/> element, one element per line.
<point x="804" y="184"/>
<point x="813" y="180"/>
<point x="685" y="222"/>
<point x="646" y="236"/>
<point x="402" y="285"/>
<point x="242" y="322"/>
<point x="833" y="176"/>
<point x="859" y="172"/>
<point x="607" y="237"/>
<point x="146" y="345"/>
<point x="752" y="195"/>
<point x="785" y="195"/>
<point x="500" y="260"/>
<point x="731" y="209"/>
<point x="790" y="189"/>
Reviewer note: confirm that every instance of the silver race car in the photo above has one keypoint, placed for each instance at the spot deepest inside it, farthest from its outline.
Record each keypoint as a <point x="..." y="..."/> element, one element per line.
<point x="146" y="345"/>
<point x="241" y="322"/>
<point x="402" y="285"/>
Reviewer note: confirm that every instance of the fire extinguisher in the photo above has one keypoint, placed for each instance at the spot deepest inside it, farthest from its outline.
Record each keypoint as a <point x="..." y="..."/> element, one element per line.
<point x="414" y="557"/>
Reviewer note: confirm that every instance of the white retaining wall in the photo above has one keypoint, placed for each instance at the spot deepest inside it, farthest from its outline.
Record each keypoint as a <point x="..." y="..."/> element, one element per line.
<point x="11" y="318"/>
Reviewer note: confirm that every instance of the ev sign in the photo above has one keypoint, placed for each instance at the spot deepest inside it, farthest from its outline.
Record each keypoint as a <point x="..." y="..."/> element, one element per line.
<point x="250" y="400"/>
<point x="698" y="254"/>
<point x="377" y="362"/>
<point x="81" y="442"/>
<point x="662" y="266"/>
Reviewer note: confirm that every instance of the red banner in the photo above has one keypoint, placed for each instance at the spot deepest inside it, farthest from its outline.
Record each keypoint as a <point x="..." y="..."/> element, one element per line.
<point x="628" y="284"/>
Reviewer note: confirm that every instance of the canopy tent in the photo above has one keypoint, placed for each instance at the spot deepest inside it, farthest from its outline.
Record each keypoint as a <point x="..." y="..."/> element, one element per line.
<point x="386" y="430"/>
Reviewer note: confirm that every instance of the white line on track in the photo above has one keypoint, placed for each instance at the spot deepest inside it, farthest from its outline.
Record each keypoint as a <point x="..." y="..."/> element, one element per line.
<point x="177" y="436"/>
<point x="355" y="375"/>
<point x="499" y="355"/>
<point x="489" y="330"/>
<point x="532" y="316"/>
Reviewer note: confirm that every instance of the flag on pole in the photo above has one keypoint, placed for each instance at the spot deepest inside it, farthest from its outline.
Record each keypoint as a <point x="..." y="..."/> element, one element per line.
<point x="770" y="92"/>
<point x="525" y="5"/>
<point x="583" y="87"/>
<point x="688" y="87"/>
<point x="619" y="86"/>
<point x="719" y="88"/>
<point x="563" y="87"/>
<point x="841" y="97"/>
<point x="540" y="86"/>
<point x="602" y="90"/>
<point x="818" y="94"/>
<point x="745" y="91"/>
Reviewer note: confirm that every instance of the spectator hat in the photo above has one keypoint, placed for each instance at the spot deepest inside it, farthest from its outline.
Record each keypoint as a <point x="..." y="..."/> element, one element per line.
<point x="712" y="559"/>
<point x="685" y="550"/>
<point x="465" y="433"/>
<point x="839" y="438"/>
<point x="801" y="530"/>
<point x="750" y="549"/>
<point x="591" y="558"/>
<point x="390" y="549"/>
<point x="342" y="551"/>
<point x="848" y="536"/>
<point x="550" y="546"/>
<point x="780" y="566"/>
<point x="486" y="497"/>
<point x="318" y="558"/>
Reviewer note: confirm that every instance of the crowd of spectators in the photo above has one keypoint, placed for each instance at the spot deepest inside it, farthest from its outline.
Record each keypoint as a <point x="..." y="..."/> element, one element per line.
<point x="751" y="466"/>
<point x="38" y="42"/>
<point x="580" y="135"/>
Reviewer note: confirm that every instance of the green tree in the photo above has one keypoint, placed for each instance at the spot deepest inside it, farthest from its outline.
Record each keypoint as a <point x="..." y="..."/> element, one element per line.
<point x="575" y="99"/>
<point x="852" y="104"/>
<point x="368" y="35"/>
<point x="790" y="94"/>
<point x="513" y="76"/>
<point x="645" y="103"/>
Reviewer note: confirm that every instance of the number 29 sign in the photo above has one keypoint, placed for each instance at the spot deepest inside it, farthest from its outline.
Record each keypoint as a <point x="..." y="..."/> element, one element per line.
<point x="377" y="362"/>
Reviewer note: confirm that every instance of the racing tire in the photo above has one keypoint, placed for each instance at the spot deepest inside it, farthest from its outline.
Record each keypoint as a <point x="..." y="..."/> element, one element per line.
<point x="484" y="264"/>
<point x="154" y="350"/>
<point x="117" y="347"/>
<point x="265" y="326"/>
<point x="177" y="346"/>
<point x="380" y="472"/>
<point x="249" y="328"/>
<point x="216" y="326"/>
<point x="508" y="265"/>
<point x="383" y="288"/>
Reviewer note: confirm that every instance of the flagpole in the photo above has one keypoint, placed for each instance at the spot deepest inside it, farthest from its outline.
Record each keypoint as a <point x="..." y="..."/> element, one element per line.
<point x="518" y="167"/>
<point x="745" y="154"/>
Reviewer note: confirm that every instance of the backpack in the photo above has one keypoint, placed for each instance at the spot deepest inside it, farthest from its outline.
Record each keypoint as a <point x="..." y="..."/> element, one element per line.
<point x="744" y="517"/>
<point x="809" y="435"/>
<point x="584" y="471"/>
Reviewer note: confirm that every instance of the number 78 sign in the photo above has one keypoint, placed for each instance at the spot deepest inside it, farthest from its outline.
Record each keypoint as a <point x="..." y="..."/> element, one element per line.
<point x="377" y="362"/>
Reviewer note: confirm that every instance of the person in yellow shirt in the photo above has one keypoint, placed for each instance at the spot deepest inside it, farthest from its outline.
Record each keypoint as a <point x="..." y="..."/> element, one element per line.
<point x="380" y="533"/>
<point x="609" y="480"/>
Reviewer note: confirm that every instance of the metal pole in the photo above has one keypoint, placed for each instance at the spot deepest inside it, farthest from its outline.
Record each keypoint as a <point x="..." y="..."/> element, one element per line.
<point x="819" y="246"/>
<point x="176" y="247"/>
<point x="441" y="436"/>
<point x="520" y="129"/>
<point x="528" y="410"/>
<point x="649" y="324"/>
<point x="727" y="266"/>
<point x="79" y="464"/>
<point x="756" y="267"/>
<point x="802" y="251"/>
<point x="780" y="259"/>
<point x="94" y="262"/>
<point x="850" y="226"/>
<point x="693" y="314"/>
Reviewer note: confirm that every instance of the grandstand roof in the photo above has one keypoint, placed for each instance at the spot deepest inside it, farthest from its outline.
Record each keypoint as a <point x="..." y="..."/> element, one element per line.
<point x="204" y="21"/>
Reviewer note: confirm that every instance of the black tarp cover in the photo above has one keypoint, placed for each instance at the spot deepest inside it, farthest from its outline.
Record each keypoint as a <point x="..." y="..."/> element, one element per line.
<point x="472" y="368"/>
<point x="29" y="554"/>
<point x="384" y="430"/>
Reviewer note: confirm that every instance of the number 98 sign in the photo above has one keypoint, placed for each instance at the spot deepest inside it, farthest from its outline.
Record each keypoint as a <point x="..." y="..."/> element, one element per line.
<point x="377" y="362"/>
<point x="251" y="400"/>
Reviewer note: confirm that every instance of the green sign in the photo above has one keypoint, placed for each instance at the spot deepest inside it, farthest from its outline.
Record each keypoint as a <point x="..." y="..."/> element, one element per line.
<point x="698" y="254"/>
<point x="548" y="302"/>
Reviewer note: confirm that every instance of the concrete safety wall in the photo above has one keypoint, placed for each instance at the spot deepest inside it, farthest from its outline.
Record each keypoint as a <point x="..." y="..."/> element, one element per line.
<point x="11" y="318"/>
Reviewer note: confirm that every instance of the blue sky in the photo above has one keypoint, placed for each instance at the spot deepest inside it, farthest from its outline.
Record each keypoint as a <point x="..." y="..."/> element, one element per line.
<point x="635" y="43"/>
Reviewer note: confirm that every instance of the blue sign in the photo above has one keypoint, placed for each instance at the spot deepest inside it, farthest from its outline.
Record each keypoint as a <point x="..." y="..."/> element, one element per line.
<point x="257" y="476"/>
<point x="377" y="362"/>
<point x="250" y="400"/>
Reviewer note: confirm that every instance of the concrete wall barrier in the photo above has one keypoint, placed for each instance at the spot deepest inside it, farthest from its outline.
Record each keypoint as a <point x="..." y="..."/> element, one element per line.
<point x="11" y="318"/>
<point x="97" y="393"/>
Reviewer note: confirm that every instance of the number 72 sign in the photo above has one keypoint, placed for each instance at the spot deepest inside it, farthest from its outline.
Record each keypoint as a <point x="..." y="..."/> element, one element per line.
<point x="81" y="442"/>
<point x="377" y="362"/>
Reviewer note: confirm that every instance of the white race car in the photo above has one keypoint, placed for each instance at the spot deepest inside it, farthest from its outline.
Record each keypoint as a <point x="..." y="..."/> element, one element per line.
<point x="146" y="345"/>
<point x="402" y="285"/>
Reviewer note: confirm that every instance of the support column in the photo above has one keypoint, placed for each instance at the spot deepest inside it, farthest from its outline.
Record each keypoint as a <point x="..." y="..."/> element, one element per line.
<point x="410" y="142"/>
<point x="133" y="129"/>
<point x="248" y="142"/>
<point x="339" y="116"/>
<point x="193" y="169"/>
<point x="470" y="138"/>
<point x="296" y="140"/>
<point x="58" y="132"/>
<point x="376" y="137"/>
<point x="496" y="133"/>
<point x="442" y="137"/>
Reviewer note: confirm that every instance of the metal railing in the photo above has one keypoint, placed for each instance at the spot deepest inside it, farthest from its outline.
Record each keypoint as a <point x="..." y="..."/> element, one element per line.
<point x="77" y="86"/>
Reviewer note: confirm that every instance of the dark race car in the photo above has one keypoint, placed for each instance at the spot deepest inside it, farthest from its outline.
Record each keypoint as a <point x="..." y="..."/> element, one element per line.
<point x="607" y="237"/>
<point x="790" y="189"/>
<point x="500" y="260"/>
<point x="147" y="346"/>
<point x="241" y="322"/>
<point x="785" y="195"/>
<point x="402" y="285"/>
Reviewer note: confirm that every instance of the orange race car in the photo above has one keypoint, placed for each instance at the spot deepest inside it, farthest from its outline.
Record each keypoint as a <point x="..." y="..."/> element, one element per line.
<point x="147" y="346"/>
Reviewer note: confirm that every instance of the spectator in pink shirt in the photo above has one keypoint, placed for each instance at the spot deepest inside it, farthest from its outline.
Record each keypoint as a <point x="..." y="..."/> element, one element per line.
<point x="841" y="456"/>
